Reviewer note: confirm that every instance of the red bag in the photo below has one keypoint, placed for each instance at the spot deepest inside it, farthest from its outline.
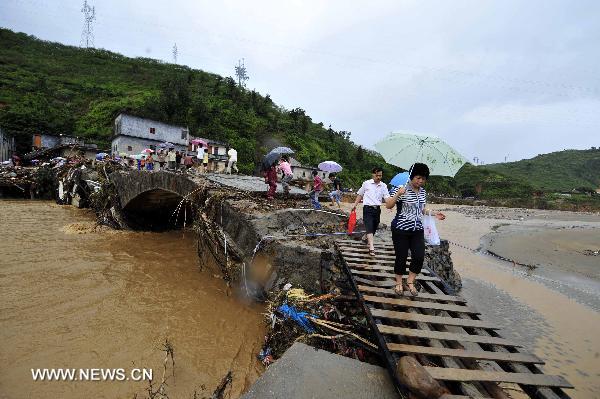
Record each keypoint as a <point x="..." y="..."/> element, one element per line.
<point x="351" y="222"/>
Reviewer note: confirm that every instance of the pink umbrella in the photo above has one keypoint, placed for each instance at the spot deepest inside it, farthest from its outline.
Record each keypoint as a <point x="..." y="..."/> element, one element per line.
<point x="148" y="150"/>
<point x="199" y="141"/>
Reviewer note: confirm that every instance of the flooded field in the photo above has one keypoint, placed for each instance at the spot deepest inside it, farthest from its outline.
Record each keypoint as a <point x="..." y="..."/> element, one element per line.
<point x="76" y="297"/>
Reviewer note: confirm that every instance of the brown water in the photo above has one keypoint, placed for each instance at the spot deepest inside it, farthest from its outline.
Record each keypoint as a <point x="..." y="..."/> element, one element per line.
<point x="74" y="297"/>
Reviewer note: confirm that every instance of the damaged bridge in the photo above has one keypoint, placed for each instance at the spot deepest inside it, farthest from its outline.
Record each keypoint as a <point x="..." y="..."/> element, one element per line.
<point x="149" y="199"/>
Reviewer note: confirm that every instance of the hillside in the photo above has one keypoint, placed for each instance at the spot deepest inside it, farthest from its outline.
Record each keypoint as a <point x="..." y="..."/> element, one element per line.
<point x="53" y="88"/>
<point x="556" y="171"/>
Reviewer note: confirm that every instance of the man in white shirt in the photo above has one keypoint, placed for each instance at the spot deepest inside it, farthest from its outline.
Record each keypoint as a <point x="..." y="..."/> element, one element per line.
<point x="372" y="192"/>
<point x="232" y="162"/>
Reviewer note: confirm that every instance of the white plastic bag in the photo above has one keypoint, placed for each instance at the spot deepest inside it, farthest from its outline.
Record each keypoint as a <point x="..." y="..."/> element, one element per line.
<point x="430" y="231"/>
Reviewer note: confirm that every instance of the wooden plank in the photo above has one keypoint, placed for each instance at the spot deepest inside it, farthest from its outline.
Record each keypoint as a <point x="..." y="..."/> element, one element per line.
<point x="413" y="303"/>
<point x="451" y="321"/>
<point x="391" y="275"/>
<point x="369" y="267"/>
<point x="378" y="267"/>
<point x="359" y="244"/>
<point x="365" y="251"/>
<point x="383" y="283"/>
<point x="445" y="336"/>
<point x="386" y="258"/>
<point x="438" y="297"/>
<point x="440" y="373"/>
<point x="370" y="260"/>
<point x="466" y="354"/>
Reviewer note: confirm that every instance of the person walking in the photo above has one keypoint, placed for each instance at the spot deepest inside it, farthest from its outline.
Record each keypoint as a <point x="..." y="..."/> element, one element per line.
<point x="150" y="162"/>
<point x="286" y="168"/>
<point x="407" y="227"/>
<point x="336" y="194"/>
<point x="232" y="161"/>
<point x="161" y="160"/>
<point x="188" y="162"/>
<point x="205" y="160"/>
<point x="178" y="157"/>
<point x="171" y="157"/>
<point x="271" y="179"/>
<point x="317" y="188"/>
<point x="372" y="193"/>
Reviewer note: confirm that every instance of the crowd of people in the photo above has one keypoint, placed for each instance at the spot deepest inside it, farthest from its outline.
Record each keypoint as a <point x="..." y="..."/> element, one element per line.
<point x="173" y="160"/>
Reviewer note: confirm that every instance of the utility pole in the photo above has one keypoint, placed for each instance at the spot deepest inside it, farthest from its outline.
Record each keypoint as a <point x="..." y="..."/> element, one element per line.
<point x="240" y="72"/>
<point x="175" y="53"/>
<point x="89" y="15"/>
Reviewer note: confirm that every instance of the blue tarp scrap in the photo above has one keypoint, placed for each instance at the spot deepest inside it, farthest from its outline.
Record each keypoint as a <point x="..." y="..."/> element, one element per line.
<point x="299" y="317"/>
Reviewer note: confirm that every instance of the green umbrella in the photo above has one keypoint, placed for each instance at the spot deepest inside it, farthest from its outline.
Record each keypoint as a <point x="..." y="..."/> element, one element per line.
<point x="404" y="149"/>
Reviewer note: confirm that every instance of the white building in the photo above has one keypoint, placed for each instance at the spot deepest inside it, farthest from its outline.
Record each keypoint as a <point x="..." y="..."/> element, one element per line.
<point x="134" y="134"/>
<point x="303" y="172"/>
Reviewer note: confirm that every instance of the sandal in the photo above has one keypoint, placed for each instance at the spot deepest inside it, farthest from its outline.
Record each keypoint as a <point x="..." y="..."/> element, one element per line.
<point x="372" y="252"/>
<point x="399" y="289"/>
<point x="413" y="291"/>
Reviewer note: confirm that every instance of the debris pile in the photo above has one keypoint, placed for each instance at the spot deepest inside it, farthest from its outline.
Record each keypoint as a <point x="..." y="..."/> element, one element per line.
<point x="332" y="321"/>
<point x="17" y="180"/>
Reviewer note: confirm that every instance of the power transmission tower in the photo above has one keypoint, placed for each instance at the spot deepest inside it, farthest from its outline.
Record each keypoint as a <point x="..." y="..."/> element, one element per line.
<point x="89" y="15"/>
<point x="240" y="72"/>
<point x="175" y="53"/>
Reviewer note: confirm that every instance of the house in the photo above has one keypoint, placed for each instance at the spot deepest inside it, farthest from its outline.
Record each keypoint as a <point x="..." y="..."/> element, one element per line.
<point x="303" y="174"/>
<point x="43" y="141"/>
<point x="47" y="146"/>
<point x="7" y="146"/>
<point x="217" y="153"/>
<point x="133" y="134"/>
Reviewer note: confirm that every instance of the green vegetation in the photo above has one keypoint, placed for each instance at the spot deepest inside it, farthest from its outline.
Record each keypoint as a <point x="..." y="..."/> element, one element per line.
<point x="52" y="88"/>
<point x="558" y="171"/>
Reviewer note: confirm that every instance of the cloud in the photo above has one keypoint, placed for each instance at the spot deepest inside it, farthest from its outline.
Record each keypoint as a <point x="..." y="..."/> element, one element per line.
<point x="575" y="113"/>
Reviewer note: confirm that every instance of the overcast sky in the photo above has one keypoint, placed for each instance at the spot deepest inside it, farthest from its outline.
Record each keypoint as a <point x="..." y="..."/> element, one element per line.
<point x="495" y="79"/>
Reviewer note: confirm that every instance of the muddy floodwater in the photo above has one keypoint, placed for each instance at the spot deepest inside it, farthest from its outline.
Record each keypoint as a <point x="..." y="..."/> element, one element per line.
<point x="75" y="297"/>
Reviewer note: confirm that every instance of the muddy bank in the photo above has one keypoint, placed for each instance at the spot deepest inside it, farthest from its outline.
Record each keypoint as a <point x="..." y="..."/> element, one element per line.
<point x="80" y="296"/>
<point x="570" y="249"/>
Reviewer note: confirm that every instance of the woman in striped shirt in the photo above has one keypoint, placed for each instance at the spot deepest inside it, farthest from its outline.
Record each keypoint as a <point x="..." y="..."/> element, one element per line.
<point x="407" y="227"/>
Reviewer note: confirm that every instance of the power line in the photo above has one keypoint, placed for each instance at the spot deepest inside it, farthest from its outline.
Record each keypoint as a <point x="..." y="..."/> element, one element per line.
<point x="89" y="15"/>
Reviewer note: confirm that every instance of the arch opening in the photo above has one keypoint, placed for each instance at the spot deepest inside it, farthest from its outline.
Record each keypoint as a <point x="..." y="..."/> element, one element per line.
<point x="154" y="210"/>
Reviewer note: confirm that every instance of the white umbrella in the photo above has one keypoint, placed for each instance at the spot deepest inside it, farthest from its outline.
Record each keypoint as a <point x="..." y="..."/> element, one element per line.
<point x="404" y="149"/>
<point x="330" y="166"/>
<point x="147" y="151"/>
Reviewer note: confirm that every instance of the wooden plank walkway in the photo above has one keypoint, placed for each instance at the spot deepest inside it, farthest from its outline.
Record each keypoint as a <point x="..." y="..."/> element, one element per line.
<point x="441" y="331"/>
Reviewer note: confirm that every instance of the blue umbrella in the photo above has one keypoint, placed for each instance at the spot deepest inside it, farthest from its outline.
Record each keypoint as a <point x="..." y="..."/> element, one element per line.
<point x="166" y="145"/>
<point x="400" y="179"/>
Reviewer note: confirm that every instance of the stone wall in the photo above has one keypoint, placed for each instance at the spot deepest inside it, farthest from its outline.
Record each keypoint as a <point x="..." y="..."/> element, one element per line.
<point x="438" y="258"/>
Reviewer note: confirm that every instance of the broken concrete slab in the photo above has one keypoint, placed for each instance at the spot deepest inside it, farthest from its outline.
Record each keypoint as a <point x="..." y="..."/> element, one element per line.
<point x="306" y="372"/>
<point x="247" y="183"/>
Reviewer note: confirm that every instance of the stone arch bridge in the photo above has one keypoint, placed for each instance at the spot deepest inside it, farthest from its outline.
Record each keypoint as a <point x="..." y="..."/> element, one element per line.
<point x="150" y="198"/>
